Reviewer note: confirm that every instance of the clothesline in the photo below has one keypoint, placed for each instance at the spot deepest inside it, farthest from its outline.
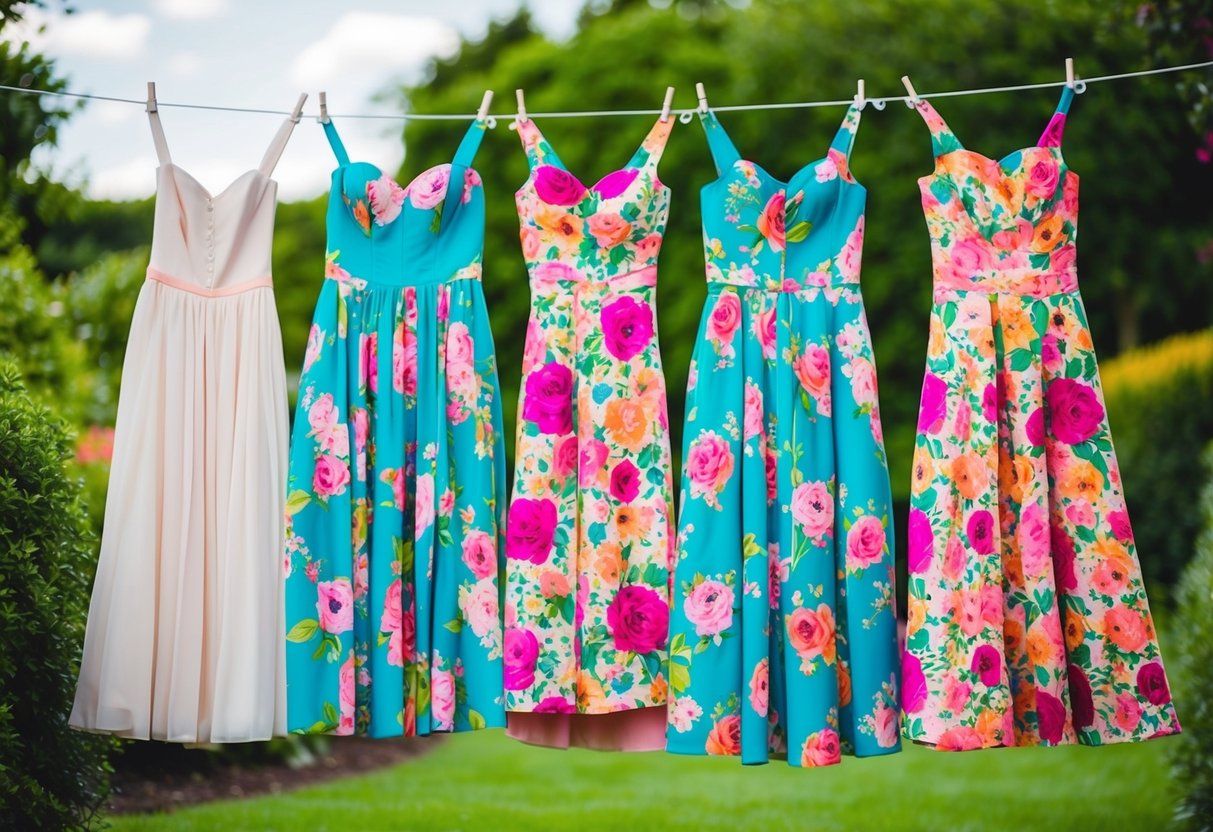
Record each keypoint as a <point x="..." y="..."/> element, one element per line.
<point x="684" y="114"/>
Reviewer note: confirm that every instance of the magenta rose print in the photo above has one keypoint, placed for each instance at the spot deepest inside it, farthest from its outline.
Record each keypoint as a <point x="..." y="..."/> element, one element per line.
<point x="548" y="398"/>
<point x="615" y="183"/>
<point x="625" y="481"/>
<point x="530" y="530"/>
<point x="1074" y="411"/>
<point x="558" y="187"/>
<point x="639" y="619"/>
<point x="627" y="327"/>
<point x="987" y="665"/>
<point x="521" y="654"/>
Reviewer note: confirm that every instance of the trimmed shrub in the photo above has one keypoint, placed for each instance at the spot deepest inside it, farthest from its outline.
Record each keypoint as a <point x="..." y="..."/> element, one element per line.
<point x="51" y="777"/>
<point x="1158" y="403"/>
<point x="1191" y="669"/>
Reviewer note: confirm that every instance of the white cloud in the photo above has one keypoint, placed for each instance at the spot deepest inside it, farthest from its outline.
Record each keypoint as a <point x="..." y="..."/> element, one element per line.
<point x="113" y="112"/>
<point x="130" y="180"/>
<point x="92" y="34"/>
<point x="185" y="64"/>
<point x="367" y="44"/>
<point x="191" y="9"/>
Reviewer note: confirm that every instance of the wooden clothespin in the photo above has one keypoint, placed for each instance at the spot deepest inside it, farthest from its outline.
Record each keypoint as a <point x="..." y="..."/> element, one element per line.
<point x="1070" y="73"/>
<point x="483" y="113"/>
<point x="861" y="99"/>
<point x="297" y="113"/>
<point x="151" y="97"/>
<point x="665" y="107"/>
<point x="703" y="98"/>
<point x="914" y="99"/>
<point x="521" y="117"/>
<point x="323" y="118"/>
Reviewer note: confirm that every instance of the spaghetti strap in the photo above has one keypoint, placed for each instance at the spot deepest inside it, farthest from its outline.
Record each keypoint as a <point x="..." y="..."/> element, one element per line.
<point x="274" y="152"/>
<point x="330" y="131"/>
<point x="460" y="165"/>
<point x="158" y="137"/>
<point x="1051" y="137"/>
<point x="844" y="139"/>
<point x="943" y="140"/>
<point x="724" y="153"/>
<point x="538" y="151"/>
<point x="470" y="144"/>
<point x="650" y="150"/>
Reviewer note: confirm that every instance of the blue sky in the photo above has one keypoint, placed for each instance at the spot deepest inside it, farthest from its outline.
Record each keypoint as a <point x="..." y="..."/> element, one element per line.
<point x="246" y="54"/>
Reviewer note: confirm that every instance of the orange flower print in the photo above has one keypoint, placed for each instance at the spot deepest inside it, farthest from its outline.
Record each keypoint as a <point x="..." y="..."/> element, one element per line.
<point x="1048" y="234"/>
<point x="609" y="229"/>
<point x="1076" y="630"/>
<point x="634" y="522"/>
<point x="626" y="423"/>
<point x="1125" y="628"/>
<point x="609" y="563"/>
<point x="558" y="227"/>
<point x="362" y="216"/>
<point x="969" y="474"/>
<point x="1080" y="480"/>
<point x="812" y="633"/>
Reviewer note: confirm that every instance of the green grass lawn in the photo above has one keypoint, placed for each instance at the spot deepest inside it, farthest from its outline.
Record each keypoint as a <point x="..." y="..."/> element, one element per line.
<point x="489" y="782"/>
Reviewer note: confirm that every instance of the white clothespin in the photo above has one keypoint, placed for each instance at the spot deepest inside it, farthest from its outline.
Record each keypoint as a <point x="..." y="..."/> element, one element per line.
<point x="703" y="98"/>
<point x="323" y="118"/>
<point x="298" y="111"/>
<point x="483" y="112"/>
<point x="914" y="99"/>
<point x="151" y="97"/>
<point x="1070" y="73"/>
<point x="521" y="118"/>
<point x="665" y="106"/>
<point x="861" y="99"/>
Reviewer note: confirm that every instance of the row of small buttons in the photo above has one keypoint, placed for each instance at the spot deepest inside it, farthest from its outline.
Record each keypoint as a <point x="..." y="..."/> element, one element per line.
<point x="210" y="244"/>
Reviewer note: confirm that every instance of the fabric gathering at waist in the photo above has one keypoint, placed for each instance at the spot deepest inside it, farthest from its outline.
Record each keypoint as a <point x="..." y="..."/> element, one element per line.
<point x="1024" y="282"/>
<point x="263" y="282"/>
<point x="470" y="273"/>
<point x="545" y="279"/>
<point x="787" y="286"/>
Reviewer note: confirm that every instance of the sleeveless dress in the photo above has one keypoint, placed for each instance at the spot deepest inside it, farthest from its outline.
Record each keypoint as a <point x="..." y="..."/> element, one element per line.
<point x="589" y="540"/>
<point x="184" y="638"/>
<point x="1028" y="620"/>
<point x="784" y="638"/>
<point x="397" y="471"/>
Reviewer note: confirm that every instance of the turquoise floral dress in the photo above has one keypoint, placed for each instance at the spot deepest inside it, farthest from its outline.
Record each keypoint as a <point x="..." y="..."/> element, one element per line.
<point x="783" y="639"/>
<point x="397" y="474"/>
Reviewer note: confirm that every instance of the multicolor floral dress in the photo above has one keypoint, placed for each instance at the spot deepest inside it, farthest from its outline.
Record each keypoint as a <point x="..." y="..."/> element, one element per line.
<point x="589" y="534"/>
<point x="1028" y="620"/>
<point x="784" y="638"/>
<point x="396" y="494"/>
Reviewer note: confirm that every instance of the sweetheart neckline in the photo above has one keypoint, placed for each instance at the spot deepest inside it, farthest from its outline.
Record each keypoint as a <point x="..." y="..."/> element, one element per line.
<point x="210" y="196"/>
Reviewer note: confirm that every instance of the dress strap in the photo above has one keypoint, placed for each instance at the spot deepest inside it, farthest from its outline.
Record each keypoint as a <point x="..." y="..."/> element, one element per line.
<point x="330" y="130"/>
<point x="724" y="153"/>
<point x="538" y="151"/>
<point x="844" y="139"/>
<point x="650" y="150"/>
<point x="158" y="137"/>
<point x="1051" y="137"/>
<point x="457" y="180"/>
<point x="274" y="152"/>
<point x="943" y="140"/>
<point x="466" y="153"/>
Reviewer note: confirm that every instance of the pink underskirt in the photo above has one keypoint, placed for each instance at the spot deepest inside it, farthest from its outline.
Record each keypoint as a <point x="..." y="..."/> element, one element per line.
<point x="641" y="729"/>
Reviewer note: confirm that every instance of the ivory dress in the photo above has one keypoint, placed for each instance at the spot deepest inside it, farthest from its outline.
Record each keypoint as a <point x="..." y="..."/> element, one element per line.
<point x="184" y="628"/>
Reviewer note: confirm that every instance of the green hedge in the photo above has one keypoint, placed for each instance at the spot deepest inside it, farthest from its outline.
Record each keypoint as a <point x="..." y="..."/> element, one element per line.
<point x="51" y="777"/>
<point x="1191" y="669"/>
<point x="1158" y="401"/>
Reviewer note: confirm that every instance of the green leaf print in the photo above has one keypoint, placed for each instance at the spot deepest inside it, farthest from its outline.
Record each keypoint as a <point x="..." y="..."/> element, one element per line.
<point x="680" y="677"/>
<point x="296" y="502"/>
<point x="404" y="554"/>
<point x="436" y="222"/>
<point x="342" y="315"/>
<point x="455" y="625"/>
<point x="799" y="232"/>
<point x="1021" y="360"/>
<point x="750" y="547"/>
<point x="948" y="315"/>
<point x="330" y="713"/>
<point x="476" y="720"/>
<point x="303" y="631"/>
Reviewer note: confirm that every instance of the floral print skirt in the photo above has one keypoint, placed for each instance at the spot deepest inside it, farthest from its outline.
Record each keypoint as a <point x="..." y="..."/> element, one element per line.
<point x="783" y="636"/>
<point x="396" y="488"/>
<point x="1028" y="620"/>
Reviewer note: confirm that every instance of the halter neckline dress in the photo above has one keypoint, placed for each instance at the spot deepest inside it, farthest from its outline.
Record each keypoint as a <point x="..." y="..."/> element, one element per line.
<point x="1028" y="619"/>
<point x="783" y="637"/>
<point x="590" y="538"/>
<point x="396" y="492"/>
<point x="184" y="638"/>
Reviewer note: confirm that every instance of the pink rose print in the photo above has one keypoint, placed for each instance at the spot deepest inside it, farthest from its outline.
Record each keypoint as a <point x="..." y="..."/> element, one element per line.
<point x="613" y="184"/>
<point x="565" y="460"/>
<point x="627" y="327"/>
<point x="1118" y="521"/>
<point x="609" y="229"/>
<point x="1152" y="684"/>
<point x="424" y="504"/>
<point x="1042" y="179"/>
<point x="429" y="189"/>
<point x="812" y="368"/>
<point x="887" y="726"/>
<point x="753" y="410"/>
<point x="725" y="737"/>
<point x="771" y="222"/>
<point x="404" y="360"/>
<point x="724" y="321"/>
<point x="330" y="476"/>
<point x="442" y="699"/>
<point x="593" y="456"/>
<point x="763" y="326"/>
<point x="1036" y="427"/>
<point x="480" y="608"/>
<point x="460" y="348"/>
<point x="821" y="749"/>
<point x="961" y="738"/>
<point x="1082" y="704"/>
<point x="557" y="187"/>
<point x="981" y="532"/>
<point x="934" y="404"/>
<point x="401" y="628"/>
<point x="530" y="529"/>
<point x="968" y="257"/>
<point x="1064" y="557"/>
<point x="625" y="481"/>
<point x="386" y="198"/>
<point x="555" y="705"/>
<point x="471" y="181"/>
<point x="639" y="619"/>
<point x="759" y="687"/>
<point x="1127" y="714"/>
<point x="865" y="542"/>
<point x="1051" y="716"/>
<point x="548" y="400"/>
<point x="346" y="697"/>
<point x="921" y="542"/>
<point x="1052" y="134"/>
<point x="521" y="654"/>
<point x="322" y="415"/>
<point x="368" y="361"/>
<point x="335" y="604"/>
<point x="315" y="340"/>
<point x="987" y="664"/>
<point x="709" y="606"/>
<point x="813" y="508"/>
<point x="913" y="684"/>
<point x="709" y="466"/>
<point x="1075" y="413"/>
<point x="480" y="554"/>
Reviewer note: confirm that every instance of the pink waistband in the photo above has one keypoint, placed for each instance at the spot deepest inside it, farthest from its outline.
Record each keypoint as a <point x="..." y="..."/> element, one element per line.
<point x="546" y="279"/>
<point x="1036" y="283"/>
<point x="194" y="288"/>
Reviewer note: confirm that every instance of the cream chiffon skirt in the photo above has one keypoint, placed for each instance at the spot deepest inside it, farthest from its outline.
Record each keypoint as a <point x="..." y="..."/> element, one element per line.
<point x="184" y="639"/>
